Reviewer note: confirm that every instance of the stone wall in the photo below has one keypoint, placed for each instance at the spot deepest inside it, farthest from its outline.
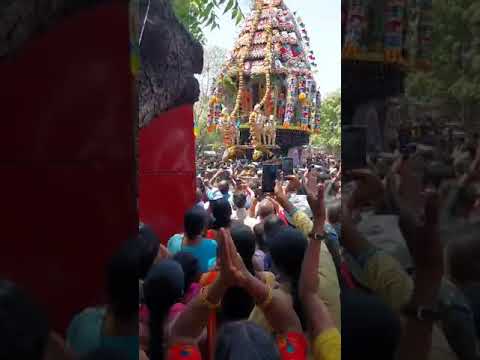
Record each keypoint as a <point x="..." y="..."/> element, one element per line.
<point x="170" y="58"/>
<point x="169" y="55"/>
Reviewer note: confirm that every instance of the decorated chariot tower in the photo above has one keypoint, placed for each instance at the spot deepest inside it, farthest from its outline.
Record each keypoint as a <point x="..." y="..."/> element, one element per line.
<point x="382" y="41"/>
<point x="266" y="97"/>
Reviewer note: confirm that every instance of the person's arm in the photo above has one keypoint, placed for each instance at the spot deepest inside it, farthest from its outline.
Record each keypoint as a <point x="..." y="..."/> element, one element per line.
<point x="416" y="340"/>
<point x="214" y="177"/>
<point x="451" y="202"/>
<point x="253" y="208"/>
<point x="282" y="198"/>
<point x="275" y="305"/>
<point x="408" y="219"/>
<point x="317" y="312"/>
<point x="233" y="178"/>
<point x="351" y="239"/>
<point x="326" y="339"/>
<point x="189" y="325"/>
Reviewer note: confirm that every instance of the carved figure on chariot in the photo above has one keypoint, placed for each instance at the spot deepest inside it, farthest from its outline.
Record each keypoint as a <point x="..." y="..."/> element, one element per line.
<point x="267" y="84"/>
<point x="390" y="31"/>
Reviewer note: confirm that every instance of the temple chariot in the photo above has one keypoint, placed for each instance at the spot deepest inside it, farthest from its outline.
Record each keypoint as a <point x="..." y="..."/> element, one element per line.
<point x="382" y="41"/>
<point x="265" y="99"/>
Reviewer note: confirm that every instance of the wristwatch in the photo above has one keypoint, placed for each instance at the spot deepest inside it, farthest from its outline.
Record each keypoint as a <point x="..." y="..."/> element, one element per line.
<point x="317" y="236"/>
<point x="422" y="313"/>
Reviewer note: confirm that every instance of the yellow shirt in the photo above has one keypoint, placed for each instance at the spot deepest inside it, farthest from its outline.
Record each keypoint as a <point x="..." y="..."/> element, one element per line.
<point x="329" y="289"/>
<point x="328" y="345"/>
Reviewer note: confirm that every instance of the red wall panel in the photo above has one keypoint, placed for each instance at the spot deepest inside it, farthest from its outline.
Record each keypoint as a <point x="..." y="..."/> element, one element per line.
<point x="67" y="159"/>
<point x="167" y="171"/>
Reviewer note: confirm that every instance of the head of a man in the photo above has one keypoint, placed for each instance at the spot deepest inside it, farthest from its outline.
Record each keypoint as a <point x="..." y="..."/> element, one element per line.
<point x="240" y="200"/>
<point x="265" y="209"/>
<point x="224" y="187"/>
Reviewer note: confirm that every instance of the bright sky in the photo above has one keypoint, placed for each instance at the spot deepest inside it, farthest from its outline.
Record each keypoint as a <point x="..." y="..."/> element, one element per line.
<point x="322" y="20"/>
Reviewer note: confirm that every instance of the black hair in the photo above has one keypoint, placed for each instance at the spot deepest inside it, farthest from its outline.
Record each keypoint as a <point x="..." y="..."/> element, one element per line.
<point x="244" y="240"/>
<point x="223" y="187"/>
<point x="245" y="340"/>
<point x="149" y="245"/>
<point x="370" y="329"/>
<point x="237" y="304"/>
<point x="287" y="248"/>
<point x="222" y="213"/>
<point x="190" y="267"/>
<point x="271" y="225"/>
<point x="105" y="353"/>
<point x="195" y="222"/>
<point x="122" y="275"/>
<point x="24" y="327"/>
<point x="240" y="200"/>
<point x="164" y="286"/>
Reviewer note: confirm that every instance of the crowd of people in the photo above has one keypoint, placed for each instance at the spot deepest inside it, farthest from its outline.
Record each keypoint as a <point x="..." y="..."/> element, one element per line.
<point x="409" y="237"/>
<point x="375" y="263"/>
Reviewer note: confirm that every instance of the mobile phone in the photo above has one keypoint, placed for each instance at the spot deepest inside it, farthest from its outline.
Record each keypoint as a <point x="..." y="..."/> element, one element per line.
<point x="354" y="147"/>
<point x="287" y="166"/>
<point x="269" y="176"/>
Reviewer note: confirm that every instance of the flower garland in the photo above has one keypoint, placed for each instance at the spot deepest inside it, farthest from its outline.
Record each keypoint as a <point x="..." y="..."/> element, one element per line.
<point x="241" y="62"/>
<point x="394" y="25"/>
<point x="318" y="115"/>
<point x="425" y="35"/>
<point x="354" y="28"/>
<point x="302" y="98"/>
<point x="411" y="41"/>
<point x="292" y="82"/>
<point x="268" y="66"/>
<point x="306" y="107"/>
<point x="253" y="121"/>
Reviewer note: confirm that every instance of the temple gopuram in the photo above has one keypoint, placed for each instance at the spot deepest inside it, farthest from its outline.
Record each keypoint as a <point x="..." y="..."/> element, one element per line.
<point x="382" y="40"/>
<point x="265" y="99"/>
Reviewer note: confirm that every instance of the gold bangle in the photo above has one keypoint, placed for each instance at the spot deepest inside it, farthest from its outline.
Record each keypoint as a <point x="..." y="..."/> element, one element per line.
<point x="205" y="301"/>
<point x="268" y="300"/>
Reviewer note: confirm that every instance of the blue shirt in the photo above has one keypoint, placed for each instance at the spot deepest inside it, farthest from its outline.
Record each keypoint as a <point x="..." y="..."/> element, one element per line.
<point x="204" y="251"/>
<point x="84" y="335"/>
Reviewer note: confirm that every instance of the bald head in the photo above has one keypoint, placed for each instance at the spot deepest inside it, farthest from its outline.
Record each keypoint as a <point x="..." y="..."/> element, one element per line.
<point x="265" y="209"/>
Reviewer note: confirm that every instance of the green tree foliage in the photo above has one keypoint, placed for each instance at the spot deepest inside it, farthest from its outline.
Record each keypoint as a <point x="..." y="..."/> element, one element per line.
<point x="195" y="15"/>
<point x="330" y="131"/>
<point x="455" y="75"/>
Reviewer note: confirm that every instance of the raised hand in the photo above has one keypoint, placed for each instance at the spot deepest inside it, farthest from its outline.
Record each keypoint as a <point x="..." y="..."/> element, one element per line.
<point x="369" y="188"/>
<point x="294" y="183"/>
<point x="428" y="250"/>
<point x="316" y="200"/>
<point x="232" y="268"/>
